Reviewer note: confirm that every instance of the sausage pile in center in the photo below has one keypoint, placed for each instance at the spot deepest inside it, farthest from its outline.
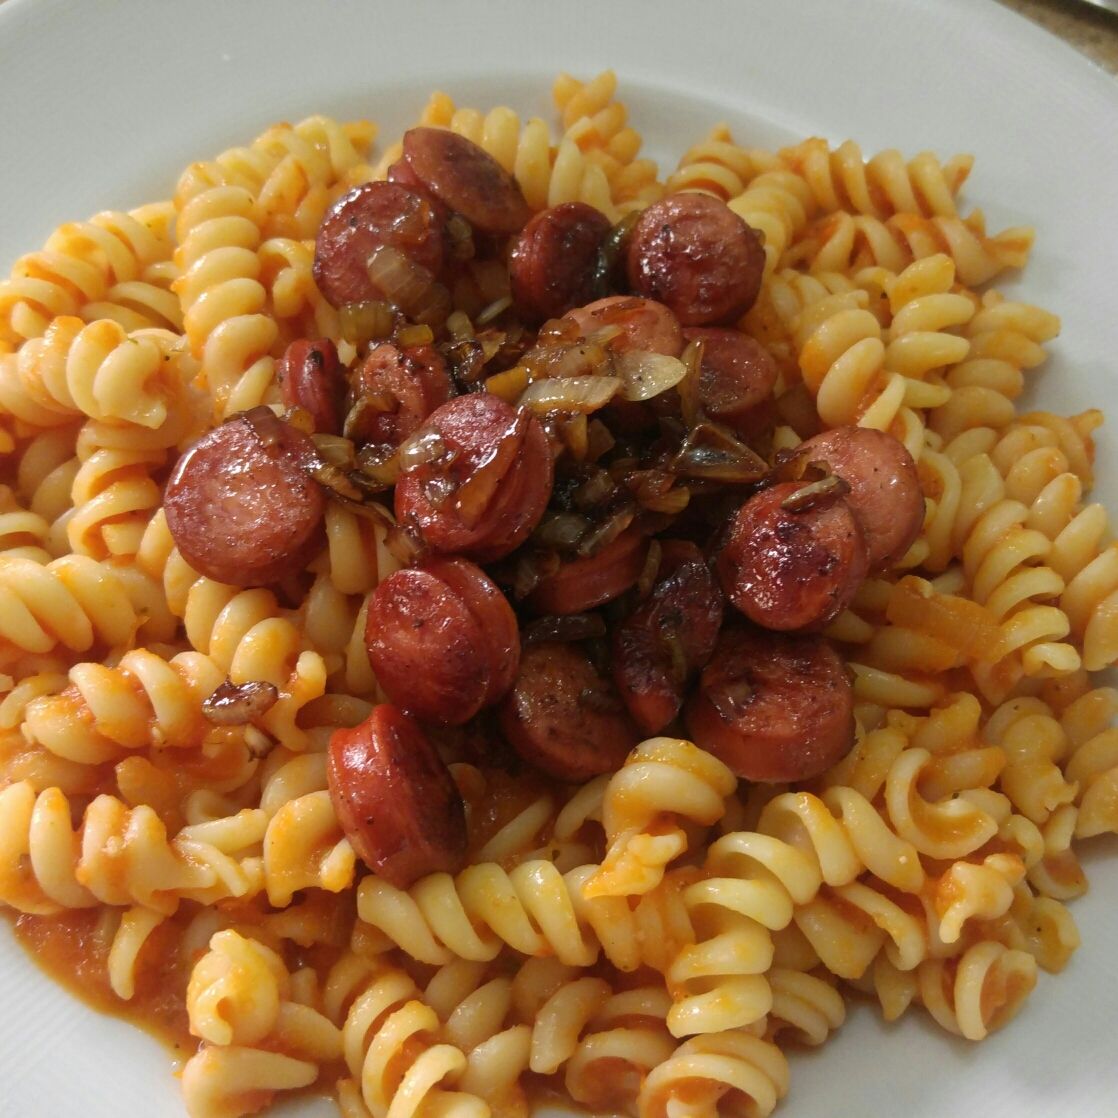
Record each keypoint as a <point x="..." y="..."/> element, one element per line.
<point x="601" y="543"/>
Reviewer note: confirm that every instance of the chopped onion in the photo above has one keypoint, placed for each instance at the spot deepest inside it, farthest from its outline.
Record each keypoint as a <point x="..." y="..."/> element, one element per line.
<point x="531" y="570"/>
<point x="711" y="452"/>
<point x="594" y="491"/>
<point x="415" y="335"/>
<point x="561" y="530"/>
<point x="816" y="493"/>
<point x="644" y="374"/>
<point x="570" y="394"/>
<point x="688" y="387"/>
<point x="237" y="704"/>
<point x="606" y="533"/>
<point x="650" y="569"/>
<point x="362" y="323"/>
<point x="461" y="236"/>
<point x="399" y="278"/>
<point x="421" y="448"/>
<point x="459" y="326"/>
<point x="334" y="479"/>
<point x="494" y="310"/>
<point x="671" y="503"/>
<point x="334" y="450"/>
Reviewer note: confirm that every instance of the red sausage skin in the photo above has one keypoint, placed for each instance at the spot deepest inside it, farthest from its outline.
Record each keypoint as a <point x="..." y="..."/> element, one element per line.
<point x="442" y="640"/>
<point x="885" y="491"/>
<point x="582" y="584"/>
<point x="563" y="717"/>
<point x="695" y="255"/>
<point x="792" y="570"/>
<point x="240" y="505"/>
<point x="408" y="384"/>
<point x="775" y="707"/>
<point x="369" y="216"/>
<point x="311" y="377"/>
<point x="395" y="798"/>
<point x="488" y="490"/>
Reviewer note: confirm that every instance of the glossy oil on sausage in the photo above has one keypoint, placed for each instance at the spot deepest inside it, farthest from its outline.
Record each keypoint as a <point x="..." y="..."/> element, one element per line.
<point x="582" y="584"/>
<point x="466" y="179"/>
<point x="442" y="640"/>
<point x="240" y="504"/>
<point x="312" y="378"/>
<point x="695" y="255"/>
<point x="395" y="798"/>
<point x="553" y="265"/>
<point x="789" y="569"/>
<point x="669" y="637"/>
<point x="402" y="386"/>
<point x="885" y="491"/>
<point x="774" y="707"/>
<point x="486" y="484"/>
<point x="369" y="216"/>
<point x="736" y="377"/>
<point x="565" y="718"/>
<point x="640" y="324"/>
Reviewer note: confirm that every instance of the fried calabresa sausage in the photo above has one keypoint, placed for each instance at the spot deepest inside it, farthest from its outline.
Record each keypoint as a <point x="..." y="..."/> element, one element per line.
<point x="885" y="492"/>
<point x="582" y="584"/>
<point x="241" y="505"/>
<point x="640" y="324"/>
<point x="670" y="636"/>
<point x="773" y="706"/>
<point x="563" y="717"/>
<point x="442" y="640"/>
<point x="695" y="255"/>
<point x="787" y="567"/>
<point x="466" y="179"/>
<point x="400" y="387"/>
<point x="370" y="216"/>
<point x="484" y="482"/>
<point x="553" y="265"/>
<point x="312" y="378"/>
<point x="736" y="377"/>
<point x="395" y="798"/>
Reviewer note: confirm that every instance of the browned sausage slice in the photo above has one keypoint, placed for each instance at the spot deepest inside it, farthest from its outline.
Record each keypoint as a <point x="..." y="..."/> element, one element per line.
<point x="240" y="504"/>
<point x="311" y="377"/>
<point x="582" y="584"/>
<point x="395" y="390"/>
<point x="553" y="263"/>
<point x="787" y="569"/>
<point x="565" y="718"/>
<point x="643" y="324"/>
<point x="885" y="491"/>
<point x="773" y="706"/>
<point x="486" y="482"/>
<point x="395" y="799"/>
<point x="695" y="255"/>
<point x="665" y="640"/>
<point x="369" y="216"/>
<point x="736" y="376"/>
<point x="467" y="179"/>
<point x="442" y="640"/>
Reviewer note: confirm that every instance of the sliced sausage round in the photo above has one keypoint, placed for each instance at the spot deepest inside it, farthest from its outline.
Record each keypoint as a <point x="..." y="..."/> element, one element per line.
<point x="241" y="505"/>
<point x="582" y="584"/>
<point x="736" y="377"/>
<point x="395" y="798"/>
<point x="565" y="718"/>
<point x="466" y="179"/>
<point x="553" y="265"/>
<point x="311" y="377"/>
<point x="774" y="707"/>
<point x="395" y="389"/>
<point x="442" y="640"/>
<point x="485" y="483"/>
<point x="792" y="569"/>
<point x="368" y="217"/>
<point x="643" y="324"/>
<point x="695" y="255"/>
<point x="668" y="638"/>
<point x="885" y="491"/>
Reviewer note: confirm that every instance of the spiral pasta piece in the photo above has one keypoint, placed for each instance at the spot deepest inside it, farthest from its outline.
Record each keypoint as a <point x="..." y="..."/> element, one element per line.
<point x="842" y="179"/>
<point x="719" y="167"/>
<point x="662" y="782"/>
<point x="82" y="263"/>
<point x="116" y="856"/>
<point x="779" y="205"/>
<point x="846" y="242"/>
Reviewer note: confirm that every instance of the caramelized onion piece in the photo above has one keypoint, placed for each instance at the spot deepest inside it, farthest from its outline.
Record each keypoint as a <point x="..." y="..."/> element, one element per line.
<point x="710" y="452"/>
<point x="238" y="704"/>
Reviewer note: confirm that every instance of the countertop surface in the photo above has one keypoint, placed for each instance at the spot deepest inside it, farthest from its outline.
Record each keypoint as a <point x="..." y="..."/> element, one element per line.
<point x="1090" y="30"/>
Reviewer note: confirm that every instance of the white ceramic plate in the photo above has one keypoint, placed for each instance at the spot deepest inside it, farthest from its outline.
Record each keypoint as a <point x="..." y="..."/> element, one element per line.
<point x="103" y="103"/>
